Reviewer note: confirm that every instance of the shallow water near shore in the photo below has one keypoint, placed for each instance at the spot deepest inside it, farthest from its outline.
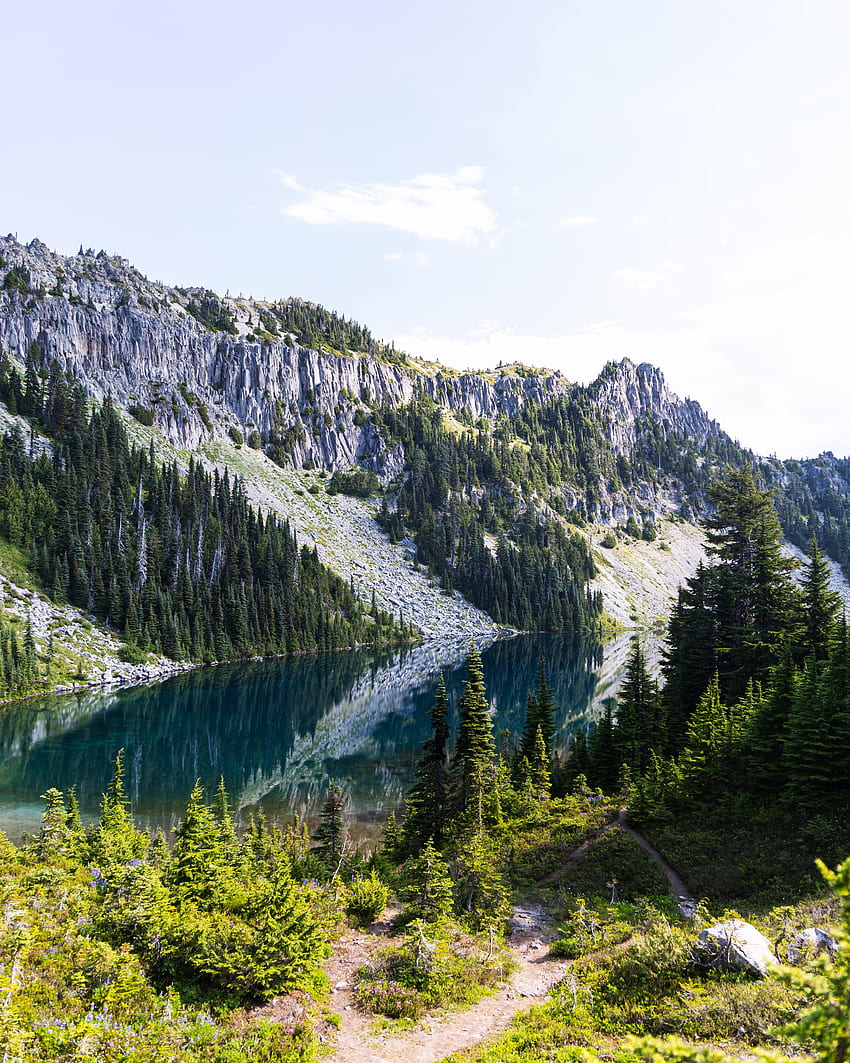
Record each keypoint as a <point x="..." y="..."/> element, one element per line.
<point x="281" y="730"/>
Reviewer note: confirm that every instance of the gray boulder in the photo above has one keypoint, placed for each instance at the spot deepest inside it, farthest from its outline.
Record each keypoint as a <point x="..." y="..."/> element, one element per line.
<point x="735" y="943"/>
<point x="811" y="942"/>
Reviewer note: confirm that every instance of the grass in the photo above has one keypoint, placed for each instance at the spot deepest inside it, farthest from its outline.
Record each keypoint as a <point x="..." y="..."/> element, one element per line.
<point x="14" y="565"/>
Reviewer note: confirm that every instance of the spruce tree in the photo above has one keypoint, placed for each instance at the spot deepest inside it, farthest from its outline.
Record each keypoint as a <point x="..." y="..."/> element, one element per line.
<point x="427" y="886"/>
<point x="197" y="869"/>
<point x="539" y="776"/>
<point x="638" y="729"/>
<point x="604" y="764"/>
<point x="331" y="833"/>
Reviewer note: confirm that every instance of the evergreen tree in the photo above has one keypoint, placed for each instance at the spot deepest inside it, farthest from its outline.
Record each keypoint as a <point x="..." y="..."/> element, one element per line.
<point x="539" y="776"/>
<point x="427" y="886"/>
<point x="820" y="604"/>
<point x="198" y="864"/>
<point x="427" y="805"/>
<point x="603" y="762"/>
<point x="482" y="897"/>
<point x="639" y="730"/>
<point x="475" y="749"/>
<point x="331" y="832"/>
<point x="540" y="715"/>
<point x="115" y="839"/>
<point x="54" y="833"/>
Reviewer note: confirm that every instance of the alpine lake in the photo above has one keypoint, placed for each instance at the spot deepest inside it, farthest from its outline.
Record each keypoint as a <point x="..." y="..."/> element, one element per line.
<point x="280" y="731"/>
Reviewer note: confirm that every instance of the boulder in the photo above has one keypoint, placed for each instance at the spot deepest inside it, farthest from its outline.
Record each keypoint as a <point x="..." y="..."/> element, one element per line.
<point x="811" y="942"/>
<point x="735" y="943"/>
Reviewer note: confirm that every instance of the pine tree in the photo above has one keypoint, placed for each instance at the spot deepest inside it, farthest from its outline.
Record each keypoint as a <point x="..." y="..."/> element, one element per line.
<point x="331" y="832"/>
<point x="604" y="765"/>
<point x="482" y="897"/>
<point x="115" y="839"/>
<point x="539" y="776"/>
<point x="224" y="820"/>
<point x="638" y="731"/>
<point x="54" y="833"/>
<point x="475" y="749"/>
<point x="427" y="886"/>
<point x="197" y="869"/>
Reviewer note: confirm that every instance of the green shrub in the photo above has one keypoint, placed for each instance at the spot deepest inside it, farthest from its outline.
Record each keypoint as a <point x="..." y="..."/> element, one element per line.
<point x="423" y="974"/>
<point x="367" y="898"/>
<point x="255" y="441"/>
<point x="142" y="414"/>
<point x="236" y="435"/>
<point x="132" y="654"/>
<point x="361" y="483"/>
<point x="609" y="541"/>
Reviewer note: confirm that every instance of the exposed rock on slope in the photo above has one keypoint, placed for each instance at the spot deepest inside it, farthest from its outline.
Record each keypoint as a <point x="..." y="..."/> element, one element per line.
<point x="122" y="334"/>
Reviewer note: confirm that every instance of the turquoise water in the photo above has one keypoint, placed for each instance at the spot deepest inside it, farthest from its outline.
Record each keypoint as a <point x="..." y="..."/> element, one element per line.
<point x="279" y="731"/>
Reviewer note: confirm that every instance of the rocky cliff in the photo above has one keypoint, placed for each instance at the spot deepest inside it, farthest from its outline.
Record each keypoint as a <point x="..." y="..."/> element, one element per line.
<point x="143" y="343"/>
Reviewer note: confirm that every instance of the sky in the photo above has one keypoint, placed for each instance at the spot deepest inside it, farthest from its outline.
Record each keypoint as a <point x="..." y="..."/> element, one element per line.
<point x="560" y="183"/>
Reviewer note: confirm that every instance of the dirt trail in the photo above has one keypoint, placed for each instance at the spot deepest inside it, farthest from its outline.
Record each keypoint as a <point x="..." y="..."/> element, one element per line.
<point x="578" y="853"/>
<point x="687" y="904"/>
<point x="438" y="1036"/>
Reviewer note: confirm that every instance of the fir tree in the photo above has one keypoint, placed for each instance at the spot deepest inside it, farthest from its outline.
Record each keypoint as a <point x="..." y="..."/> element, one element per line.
<point x="331" y="832"/>
<point x="820" y="604"/>
<point x="427" y="804"/>
<point x="475" y="749"/>
<point x="427" y="886"/>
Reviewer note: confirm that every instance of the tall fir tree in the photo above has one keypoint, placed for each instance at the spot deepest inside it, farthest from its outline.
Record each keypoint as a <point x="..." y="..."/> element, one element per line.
<point x="820" y="604"/>
<point x="475" y="751"/>
<point x="428" y="799"/>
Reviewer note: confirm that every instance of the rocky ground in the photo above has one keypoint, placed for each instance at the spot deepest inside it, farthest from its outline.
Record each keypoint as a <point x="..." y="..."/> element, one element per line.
<point x="84" y="653"/>
<point x="638" y="579"/>
<point x="350" y="542"/>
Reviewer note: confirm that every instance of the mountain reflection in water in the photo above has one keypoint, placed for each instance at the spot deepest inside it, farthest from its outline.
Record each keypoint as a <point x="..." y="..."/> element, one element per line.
<point x="280" y="730"/>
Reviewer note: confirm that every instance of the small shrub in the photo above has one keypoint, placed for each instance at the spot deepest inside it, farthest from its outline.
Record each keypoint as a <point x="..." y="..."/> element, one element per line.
<point x="255" y="441"/>
<point x="390" y="998"/>
<point x="609" y="541"/>
<point x="236" y="435"/>
<point x="132" y="654"/>
<point x="367" y="898"/>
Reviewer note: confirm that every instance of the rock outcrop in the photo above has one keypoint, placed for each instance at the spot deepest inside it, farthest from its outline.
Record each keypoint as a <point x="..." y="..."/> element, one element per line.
<point x="142" y="342"/>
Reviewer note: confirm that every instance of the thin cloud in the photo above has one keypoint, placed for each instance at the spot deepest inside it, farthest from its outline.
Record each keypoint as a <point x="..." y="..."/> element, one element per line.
<point x="644" y="280"/>
<point x="578" y="220"/>
<point x="287" y="180"/>
<point x="641" y="222"/>
<point x="414" y="259"/>
<point x="432" y="206"/>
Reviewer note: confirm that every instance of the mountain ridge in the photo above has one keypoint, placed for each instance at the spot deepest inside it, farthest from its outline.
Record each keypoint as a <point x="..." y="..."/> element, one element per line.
<point x="205" y="372"/>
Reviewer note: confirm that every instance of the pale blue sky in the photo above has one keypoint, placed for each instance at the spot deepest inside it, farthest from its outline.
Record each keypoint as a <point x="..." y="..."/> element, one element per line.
<point x="560" y="183"/>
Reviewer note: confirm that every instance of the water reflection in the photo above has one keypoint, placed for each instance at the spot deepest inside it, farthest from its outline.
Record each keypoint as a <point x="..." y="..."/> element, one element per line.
<point x="280" y="730"/>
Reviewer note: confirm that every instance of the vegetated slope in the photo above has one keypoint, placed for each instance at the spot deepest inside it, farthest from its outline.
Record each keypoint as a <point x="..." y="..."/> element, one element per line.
<point x="493" y="474"/>
<point x="180" y="565"/>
